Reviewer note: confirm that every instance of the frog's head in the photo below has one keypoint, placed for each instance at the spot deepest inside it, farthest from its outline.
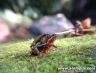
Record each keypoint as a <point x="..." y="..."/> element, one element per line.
<point x="51" y="38"/>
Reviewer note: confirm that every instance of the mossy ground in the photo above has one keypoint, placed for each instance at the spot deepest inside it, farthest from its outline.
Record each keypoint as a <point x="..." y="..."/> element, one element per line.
<point x="76" y="52"/>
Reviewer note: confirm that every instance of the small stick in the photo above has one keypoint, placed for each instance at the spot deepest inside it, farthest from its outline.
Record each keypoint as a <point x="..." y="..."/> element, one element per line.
<point x="65" y="32"/>
<point x="88" y="30"/>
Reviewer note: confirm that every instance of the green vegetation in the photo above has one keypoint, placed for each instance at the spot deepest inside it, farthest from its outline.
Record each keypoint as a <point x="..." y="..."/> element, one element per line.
<point x="75" y="52"/>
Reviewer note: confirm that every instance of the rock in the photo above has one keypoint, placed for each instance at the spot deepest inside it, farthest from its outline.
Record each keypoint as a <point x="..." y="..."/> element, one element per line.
<point x="5" y="33"/>
<point x="51" y="25"/>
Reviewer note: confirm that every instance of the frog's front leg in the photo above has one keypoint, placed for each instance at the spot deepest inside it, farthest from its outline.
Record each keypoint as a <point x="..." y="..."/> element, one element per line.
<point x="37" y="51"/>
<point x="54" y="46"/>
<point x="34" y="50"/>
<point x="57" y="47"/>
<point x="40" y="54"/>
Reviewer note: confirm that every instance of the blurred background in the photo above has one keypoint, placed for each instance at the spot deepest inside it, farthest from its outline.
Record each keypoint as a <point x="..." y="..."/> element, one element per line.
<point x="24" y="19"/>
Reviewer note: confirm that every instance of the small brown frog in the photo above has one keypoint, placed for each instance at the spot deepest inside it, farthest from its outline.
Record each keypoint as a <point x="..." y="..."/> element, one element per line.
<point x="42" y="44"/>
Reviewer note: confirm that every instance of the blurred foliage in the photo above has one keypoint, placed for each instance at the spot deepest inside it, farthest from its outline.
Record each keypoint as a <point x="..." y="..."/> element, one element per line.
<point x="43" y="6"/>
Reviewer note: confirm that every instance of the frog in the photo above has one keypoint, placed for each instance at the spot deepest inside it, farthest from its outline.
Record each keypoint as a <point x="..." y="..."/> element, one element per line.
<point x="42" y="44"/>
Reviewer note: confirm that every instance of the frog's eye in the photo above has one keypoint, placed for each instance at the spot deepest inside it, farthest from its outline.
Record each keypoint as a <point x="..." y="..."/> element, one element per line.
<point x="52" y="35"/>
<point x="49" y="36"/>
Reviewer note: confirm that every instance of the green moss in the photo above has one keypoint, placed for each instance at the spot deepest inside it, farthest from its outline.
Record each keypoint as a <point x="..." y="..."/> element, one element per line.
<point x="74" y="52"/>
